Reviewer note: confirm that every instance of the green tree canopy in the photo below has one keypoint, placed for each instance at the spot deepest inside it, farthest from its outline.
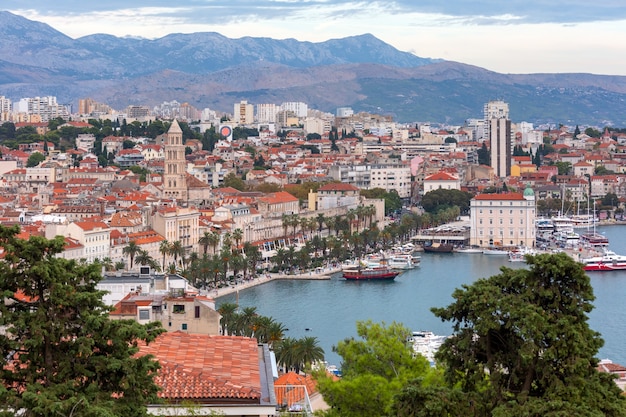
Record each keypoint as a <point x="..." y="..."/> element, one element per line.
<point x="232" y="180"/>
<point x="61" y="354"/>
<point x="35" y="159"/>
<point x="522" y="347"/>
<point x="393" y="202"/>
<point x="375" y="367"/>
<point x="441" y="199"/>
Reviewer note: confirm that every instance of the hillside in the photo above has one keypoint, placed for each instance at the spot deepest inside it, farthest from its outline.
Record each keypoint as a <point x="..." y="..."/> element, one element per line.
<point x="210" y="70"/>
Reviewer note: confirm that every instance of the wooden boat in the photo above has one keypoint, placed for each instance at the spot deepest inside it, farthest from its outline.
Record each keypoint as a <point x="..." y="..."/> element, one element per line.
<point x="438" y="247"/>
<point x="380" y="273"/>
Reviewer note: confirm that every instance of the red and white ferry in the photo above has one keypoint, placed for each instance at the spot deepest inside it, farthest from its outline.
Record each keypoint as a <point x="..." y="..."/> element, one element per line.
<point x="609" y="261"/>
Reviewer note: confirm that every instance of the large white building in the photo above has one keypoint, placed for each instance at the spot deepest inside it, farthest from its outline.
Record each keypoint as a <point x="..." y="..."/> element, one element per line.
<point x="266" y="113"/>
<point x="46" y="107"/>
<point x="243" y="113"/>
<point x="367" y="177"/>
<point x="503" y="219"/>
<point x="299" y="108"/>
<point x="499" y="134"/>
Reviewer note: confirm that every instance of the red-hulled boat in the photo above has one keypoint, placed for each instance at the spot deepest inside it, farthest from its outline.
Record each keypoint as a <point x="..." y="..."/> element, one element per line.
<point x="609" y="261"/>
<point x="380" y="273"/>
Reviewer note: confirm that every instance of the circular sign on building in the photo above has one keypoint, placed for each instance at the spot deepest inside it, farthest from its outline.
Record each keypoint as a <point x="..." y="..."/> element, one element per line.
<point x="226" y="131"/>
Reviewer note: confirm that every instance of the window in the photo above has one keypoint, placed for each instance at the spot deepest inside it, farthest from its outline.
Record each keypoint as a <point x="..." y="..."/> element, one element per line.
<point x="178" y="308"/>
<point x="144" y="314"/>
<point x="196" y="312"/>
<point x="184" y="326"/>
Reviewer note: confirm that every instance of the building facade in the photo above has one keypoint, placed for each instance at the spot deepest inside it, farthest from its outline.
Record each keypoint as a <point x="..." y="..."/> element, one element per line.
<point x="174" y="181"/>
<point x="503" y="219"/>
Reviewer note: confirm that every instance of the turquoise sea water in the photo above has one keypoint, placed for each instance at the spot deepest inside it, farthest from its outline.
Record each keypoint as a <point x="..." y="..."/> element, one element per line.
<point x="330" y="309"/>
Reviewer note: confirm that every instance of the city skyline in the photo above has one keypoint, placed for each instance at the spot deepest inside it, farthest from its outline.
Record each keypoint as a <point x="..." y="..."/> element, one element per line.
<point x="506" y="37"/>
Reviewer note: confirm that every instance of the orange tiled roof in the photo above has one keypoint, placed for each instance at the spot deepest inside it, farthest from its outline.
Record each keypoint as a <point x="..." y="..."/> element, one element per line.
<point x="505" y="196"/>
<point x="195" y="366"/>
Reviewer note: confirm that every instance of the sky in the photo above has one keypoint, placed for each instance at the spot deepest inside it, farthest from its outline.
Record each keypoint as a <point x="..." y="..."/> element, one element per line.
<point x="506" y="36"/>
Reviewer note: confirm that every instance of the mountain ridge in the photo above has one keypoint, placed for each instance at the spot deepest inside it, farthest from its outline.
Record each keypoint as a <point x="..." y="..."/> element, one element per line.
<point x="207" y="69"/>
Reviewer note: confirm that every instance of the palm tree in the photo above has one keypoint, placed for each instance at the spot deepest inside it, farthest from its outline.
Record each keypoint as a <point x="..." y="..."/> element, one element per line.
<point x="143" y="257"/>
<point x="308" y="351"/>
<point x="286" y="354"/>
<point x="350" y="216"/>
<point x="330" y="224"/>
<point x="245" y="322"/>
<point x="286" y="221"/>
<point x="107" y="263"/>
<point x="320" y="219"/>
<point x="253" y="256"/>
<point x="131" y="250"/>
<point x="177" y="249"/>
<point x="237" y="263"/>
<point x="164" y="248"/>
<point x="214" y="241"/>
<point x="228" y="311"/>
<point x="205" y="241"/>
<point x="237" y="237"/>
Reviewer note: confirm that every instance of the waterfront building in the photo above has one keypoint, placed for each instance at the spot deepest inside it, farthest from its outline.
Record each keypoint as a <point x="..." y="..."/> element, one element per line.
<point x="503" y="219"/>
<point x="174" y="180"/>
<point x="176" y="223"/>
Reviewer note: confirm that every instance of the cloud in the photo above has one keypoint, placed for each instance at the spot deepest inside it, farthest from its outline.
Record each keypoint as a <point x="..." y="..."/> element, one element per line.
<point x="481" y="12"/>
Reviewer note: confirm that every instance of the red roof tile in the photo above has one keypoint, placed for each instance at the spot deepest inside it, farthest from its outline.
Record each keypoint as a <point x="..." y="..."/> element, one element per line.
<point x="202" y="366"/>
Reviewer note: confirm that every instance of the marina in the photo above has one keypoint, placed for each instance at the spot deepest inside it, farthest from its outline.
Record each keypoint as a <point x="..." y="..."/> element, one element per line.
<point x="329" y="309"/>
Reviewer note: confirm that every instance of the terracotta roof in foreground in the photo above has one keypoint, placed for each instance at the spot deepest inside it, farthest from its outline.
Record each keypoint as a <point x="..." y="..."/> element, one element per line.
<point x="197" y="366"/>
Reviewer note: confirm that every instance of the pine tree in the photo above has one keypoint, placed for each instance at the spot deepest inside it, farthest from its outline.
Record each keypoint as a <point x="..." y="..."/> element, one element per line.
<point x="61" y="354"/>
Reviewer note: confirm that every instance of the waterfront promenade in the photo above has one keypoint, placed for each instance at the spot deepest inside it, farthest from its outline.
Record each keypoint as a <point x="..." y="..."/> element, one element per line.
<point x="317" y="274"/>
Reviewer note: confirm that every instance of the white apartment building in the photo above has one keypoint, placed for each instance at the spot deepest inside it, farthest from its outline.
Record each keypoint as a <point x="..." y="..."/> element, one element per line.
<point x="392" y="177"/>
<point x="243" y="113"/>
<point x="6" y="107"/>
<point x="266" y="113"/>
<point x="299" y="108"/>
<point x="46" y="107"/>
<point x="344" y="111"/>
<point x="503" y="219"/>
<point x="367" y="177"/>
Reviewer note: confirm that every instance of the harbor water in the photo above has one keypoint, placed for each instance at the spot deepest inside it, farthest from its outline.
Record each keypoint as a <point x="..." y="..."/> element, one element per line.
<point x="329" y="309"/>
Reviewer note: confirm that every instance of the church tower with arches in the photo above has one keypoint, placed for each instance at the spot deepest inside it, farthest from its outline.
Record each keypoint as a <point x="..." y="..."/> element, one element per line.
<point x="174" y="175"/>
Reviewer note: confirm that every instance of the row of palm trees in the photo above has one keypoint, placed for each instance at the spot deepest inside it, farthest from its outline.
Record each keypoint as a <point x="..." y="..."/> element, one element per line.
<point x="292" y="354"/>
<point x="343" y="241"/>
<point x="354" y="220"/>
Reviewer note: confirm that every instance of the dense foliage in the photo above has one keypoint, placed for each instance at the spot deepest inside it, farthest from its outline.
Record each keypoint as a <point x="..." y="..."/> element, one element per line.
<point x="61" y="354"/>
<point x="521" y="347"/>
<point x="441" y="199"/>
<point x="375" y="368"/>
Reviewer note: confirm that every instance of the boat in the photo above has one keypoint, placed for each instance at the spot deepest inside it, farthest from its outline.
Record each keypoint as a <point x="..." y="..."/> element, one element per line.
<point x="609" y="261"/>
<point x="581" y="221"/>
<point x="594" y="239"/>
<point x="426" y="343"/>
<point x="495" y="251"/>
<point x="519" y="254"/>
<point x="377" y="273"/>
<point x="402" y="261"/>
<point x="438" y="247"/>
<point x="473" y="249"/>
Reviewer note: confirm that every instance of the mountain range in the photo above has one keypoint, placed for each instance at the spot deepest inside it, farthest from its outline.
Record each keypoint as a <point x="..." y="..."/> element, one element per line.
<point x="210" y="70"/>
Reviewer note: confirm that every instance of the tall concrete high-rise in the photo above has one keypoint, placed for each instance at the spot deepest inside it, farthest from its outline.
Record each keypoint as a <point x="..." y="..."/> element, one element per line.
<point x="174" y="181"/>
<point x="498" y="126"/>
